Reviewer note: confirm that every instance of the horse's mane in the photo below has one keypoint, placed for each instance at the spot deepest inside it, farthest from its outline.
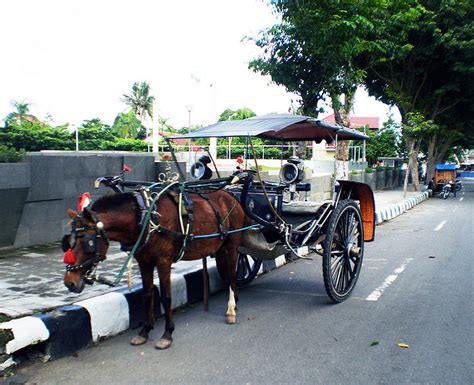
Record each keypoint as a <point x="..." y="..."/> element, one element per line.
<point x="112" y="202"/>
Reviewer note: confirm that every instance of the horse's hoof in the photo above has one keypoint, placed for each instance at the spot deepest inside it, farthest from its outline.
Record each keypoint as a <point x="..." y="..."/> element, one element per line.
<point x="138" y="340"/>
<point x="163" y="343"/>
<point x="230" y="319"/>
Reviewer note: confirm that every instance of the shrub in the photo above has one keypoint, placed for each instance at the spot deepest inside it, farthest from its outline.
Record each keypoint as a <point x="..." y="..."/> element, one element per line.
<point x="380" y="168"/>
<point x="354" y="172"/>
<point x="11" y="155"/>
<point x="369" y="170"/>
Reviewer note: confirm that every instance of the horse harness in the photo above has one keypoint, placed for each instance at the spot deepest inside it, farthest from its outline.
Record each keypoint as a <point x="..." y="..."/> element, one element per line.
<point x="145" y="199"/>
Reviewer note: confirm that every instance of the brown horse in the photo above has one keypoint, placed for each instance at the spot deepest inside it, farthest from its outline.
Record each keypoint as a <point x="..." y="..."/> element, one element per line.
<point x="116" y="217"/>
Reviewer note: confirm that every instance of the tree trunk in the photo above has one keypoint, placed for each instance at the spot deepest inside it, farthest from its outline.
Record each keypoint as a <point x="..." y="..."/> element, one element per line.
<point x="301" y="150"/>
<point x="415" y="180"/>
<point x="437" y="150"/>
<point x="431" y="163"/>
<point x="342" y="117"/>
<point x="413" y="147"/>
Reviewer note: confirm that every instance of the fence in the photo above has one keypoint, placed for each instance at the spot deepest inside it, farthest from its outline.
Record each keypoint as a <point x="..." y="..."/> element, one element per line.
<point x="267" y="151"/>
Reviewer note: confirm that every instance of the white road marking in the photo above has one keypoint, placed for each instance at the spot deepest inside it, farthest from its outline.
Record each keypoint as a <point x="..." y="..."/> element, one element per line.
<point x="461" y="199"/>
<point x="377" y="293"/>
<point x="440" y="226"/>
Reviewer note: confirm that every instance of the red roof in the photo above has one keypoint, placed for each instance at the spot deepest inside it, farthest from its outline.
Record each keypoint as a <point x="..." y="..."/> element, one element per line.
<point x="359" y="121"/>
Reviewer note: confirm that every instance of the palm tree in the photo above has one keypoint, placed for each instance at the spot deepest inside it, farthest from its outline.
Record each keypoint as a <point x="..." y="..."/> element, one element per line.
<point x="164" y="125"/>
<point x="140" y="100"/>
<point x="22" y="109"/>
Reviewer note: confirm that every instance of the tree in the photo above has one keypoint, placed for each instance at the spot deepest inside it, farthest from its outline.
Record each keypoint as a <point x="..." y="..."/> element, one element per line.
<point x="94" y="135"/>
<point x="424" y="66"/>
<point x="22" y="112"/>
<point x="240" y="114"/>
<point x="126" y="125"/>
<point x="383" y="142"/>
<point x="140" y="100"/>
<point x="35" y="136"/>
<point x="311" y="53"/>
<point x="416" y="129"/>
<point x="164" y="125"/>
<point x="415" y="54"/>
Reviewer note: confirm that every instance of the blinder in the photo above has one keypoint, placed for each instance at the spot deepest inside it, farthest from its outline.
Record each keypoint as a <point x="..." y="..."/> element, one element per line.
<point x="66" y="243"/>
<point x="89" y="244"/>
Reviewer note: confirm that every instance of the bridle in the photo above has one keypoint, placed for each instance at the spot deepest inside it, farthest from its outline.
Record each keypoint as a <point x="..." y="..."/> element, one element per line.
<point x="90" y="244"/>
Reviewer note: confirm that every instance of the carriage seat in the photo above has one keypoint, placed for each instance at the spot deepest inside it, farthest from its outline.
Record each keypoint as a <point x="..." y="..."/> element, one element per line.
<point x="301" y="207"/>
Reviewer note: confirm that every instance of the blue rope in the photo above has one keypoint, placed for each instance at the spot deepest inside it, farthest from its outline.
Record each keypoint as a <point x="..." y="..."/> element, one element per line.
<point x="227" y="232"/>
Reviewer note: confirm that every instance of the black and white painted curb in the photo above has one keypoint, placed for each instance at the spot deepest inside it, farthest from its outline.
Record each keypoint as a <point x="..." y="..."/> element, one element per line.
<point x="68" y="329"/>
<point x="390" y="212"/>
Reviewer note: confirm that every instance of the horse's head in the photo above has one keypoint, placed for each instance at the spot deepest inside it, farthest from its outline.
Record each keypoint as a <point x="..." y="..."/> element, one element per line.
<point x="83" y="248"/>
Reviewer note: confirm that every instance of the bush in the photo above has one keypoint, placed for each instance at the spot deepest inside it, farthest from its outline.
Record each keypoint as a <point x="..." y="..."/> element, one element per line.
<point x="380" y="168"/>
<point x="121" y="144"/>
<point x="11" y="155"/>
<point x="368" y="170"/>
<point x="354" y="172"/>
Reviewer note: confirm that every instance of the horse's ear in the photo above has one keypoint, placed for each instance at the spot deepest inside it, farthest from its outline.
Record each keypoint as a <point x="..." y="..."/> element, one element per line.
<point x="87" y="214"/>
<point x="71" y="213"/>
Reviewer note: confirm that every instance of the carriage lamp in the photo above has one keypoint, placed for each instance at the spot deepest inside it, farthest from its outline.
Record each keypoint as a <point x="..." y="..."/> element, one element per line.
<point x="200" y="170"/>
<point x="293" y="171"/>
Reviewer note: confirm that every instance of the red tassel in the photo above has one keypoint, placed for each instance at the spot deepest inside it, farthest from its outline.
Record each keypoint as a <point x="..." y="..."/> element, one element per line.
<point x="69" y="257"/>
<point x="83" y="201"/>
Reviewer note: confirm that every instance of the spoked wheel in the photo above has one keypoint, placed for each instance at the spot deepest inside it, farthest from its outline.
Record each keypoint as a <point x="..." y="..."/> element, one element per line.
<point x="343" y="250"/>
<point x="247" y="269"/>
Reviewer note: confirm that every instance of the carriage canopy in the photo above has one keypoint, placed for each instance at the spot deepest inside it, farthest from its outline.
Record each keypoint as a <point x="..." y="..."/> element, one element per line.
<point x="277" y="127"/>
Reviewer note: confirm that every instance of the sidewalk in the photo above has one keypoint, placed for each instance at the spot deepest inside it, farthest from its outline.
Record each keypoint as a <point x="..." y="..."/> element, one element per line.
<point x="45" y="314"/>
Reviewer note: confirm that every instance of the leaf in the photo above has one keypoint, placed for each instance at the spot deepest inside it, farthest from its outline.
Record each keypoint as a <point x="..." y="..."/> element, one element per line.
<point x="404" y="346"/>
<point x="374" y="343"/>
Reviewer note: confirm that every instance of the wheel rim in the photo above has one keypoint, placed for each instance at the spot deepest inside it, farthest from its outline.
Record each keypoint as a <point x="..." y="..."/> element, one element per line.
<point x="346" y="252"/>
<point x="247" y="268"/>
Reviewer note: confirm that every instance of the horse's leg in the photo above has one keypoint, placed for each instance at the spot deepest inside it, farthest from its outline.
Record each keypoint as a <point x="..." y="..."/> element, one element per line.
<point x="226" y="260"/>
<point x="146" y="271"/>
<point x="164" y="272"/>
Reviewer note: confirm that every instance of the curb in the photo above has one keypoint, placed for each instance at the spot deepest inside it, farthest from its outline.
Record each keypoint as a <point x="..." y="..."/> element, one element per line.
<point x="387" y="213"/>
<point x="68" y="329"/>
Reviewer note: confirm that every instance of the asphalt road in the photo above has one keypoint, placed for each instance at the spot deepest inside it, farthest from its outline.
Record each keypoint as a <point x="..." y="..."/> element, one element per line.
<point x="415" y="288"/>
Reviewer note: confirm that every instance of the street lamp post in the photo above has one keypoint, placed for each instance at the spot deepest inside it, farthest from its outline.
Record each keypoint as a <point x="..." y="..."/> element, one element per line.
<point x="77" y="137"/>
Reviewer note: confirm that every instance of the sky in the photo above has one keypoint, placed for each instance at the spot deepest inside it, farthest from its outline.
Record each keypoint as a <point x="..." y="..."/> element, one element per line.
<point x="75" y="59"/>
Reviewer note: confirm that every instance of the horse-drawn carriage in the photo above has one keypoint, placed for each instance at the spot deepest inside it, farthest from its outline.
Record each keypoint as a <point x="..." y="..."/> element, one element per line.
<point x="240" y="219"/>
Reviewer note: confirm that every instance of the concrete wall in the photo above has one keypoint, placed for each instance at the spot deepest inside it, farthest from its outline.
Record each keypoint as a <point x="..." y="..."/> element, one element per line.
<point x="36" y="194"/>
<point x="14" y="187"/>
<point x="52" y="184"/>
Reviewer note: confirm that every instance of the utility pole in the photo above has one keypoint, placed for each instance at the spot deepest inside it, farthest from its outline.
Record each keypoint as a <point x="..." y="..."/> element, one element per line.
<point x="77" y="138"/>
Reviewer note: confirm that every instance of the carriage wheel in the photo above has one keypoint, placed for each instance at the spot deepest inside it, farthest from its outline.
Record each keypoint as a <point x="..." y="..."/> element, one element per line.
<point x="343" y="250"/>
<point x="247" y="269"/>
